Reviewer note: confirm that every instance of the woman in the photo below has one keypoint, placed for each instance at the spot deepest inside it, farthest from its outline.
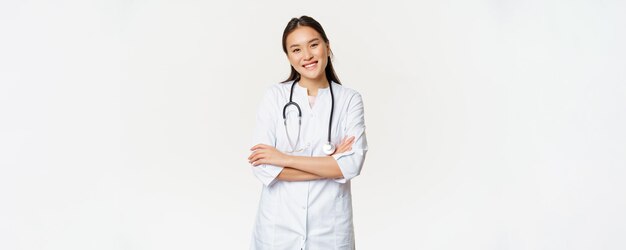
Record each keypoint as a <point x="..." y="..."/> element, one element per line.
<point x="306" y="202"/>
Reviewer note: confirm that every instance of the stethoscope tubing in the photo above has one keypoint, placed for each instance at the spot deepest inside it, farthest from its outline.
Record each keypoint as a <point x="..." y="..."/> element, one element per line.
<point x="291" y="102"/>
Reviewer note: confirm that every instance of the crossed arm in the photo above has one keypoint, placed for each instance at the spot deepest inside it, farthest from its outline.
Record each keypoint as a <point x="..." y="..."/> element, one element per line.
<point x="300" y="168"/>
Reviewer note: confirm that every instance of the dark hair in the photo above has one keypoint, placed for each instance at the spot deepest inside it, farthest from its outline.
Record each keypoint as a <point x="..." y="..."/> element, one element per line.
<point x="309" y="22"/>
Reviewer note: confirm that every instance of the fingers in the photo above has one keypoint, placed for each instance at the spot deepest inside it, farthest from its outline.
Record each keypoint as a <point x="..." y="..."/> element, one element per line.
<point x="262" y="154"/>
<point x="347" y="142"/>
<point x="350" y="140"/>
<point x="259" y="162"/>
<point x="259" y="146"/>
<point x="345" y="145"/>
<point x="256" y="159"/>
<point x="257" y="154"/>
<point x="254" y="155"/>
<point x="342" y="150"/>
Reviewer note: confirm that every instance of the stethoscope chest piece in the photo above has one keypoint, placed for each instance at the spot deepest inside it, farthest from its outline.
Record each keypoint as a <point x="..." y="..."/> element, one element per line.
<point x="328" y="148"/>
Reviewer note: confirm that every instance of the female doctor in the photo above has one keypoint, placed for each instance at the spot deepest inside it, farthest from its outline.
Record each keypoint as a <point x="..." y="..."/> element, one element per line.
<point x="310" y="136"/>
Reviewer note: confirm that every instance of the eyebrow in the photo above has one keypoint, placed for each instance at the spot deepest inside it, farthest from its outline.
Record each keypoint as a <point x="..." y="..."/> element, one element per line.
<point x="310" y="41"/>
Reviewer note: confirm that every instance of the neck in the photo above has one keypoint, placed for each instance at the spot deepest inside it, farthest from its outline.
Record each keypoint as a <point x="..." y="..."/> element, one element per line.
<point x="312" y="85"/>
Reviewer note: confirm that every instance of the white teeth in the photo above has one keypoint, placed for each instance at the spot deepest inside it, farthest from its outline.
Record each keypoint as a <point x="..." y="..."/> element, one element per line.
<point x="310" y="65"/>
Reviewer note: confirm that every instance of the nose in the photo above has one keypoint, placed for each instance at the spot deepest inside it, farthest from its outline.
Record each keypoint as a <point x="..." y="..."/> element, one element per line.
<point x="307" y="54"/>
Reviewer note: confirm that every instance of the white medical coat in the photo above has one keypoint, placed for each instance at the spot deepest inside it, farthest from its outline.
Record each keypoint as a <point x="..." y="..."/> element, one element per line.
<point x="308" y="214"/>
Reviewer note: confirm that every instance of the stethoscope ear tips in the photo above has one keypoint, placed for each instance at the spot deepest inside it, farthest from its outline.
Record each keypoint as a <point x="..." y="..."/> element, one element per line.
<point x="328" y="148"/>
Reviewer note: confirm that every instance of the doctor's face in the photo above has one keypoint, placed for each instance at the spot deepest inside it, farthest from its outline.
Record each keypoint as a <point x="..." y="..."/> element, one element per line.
<point x="307" y="53"/>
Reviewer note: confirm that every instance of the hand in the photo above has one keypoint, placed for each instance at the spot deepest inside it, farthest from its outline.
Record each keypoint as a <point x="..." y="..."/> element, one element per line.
<point x="265" y="154"/>
<point x="345" y="145"/>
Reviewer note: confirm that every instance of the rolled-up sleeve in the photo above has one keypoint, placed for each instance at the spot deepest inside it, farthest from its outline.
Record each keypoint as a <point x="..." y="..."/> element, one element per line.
<point x="351" y="162"/>
<point x="265" y="133"/>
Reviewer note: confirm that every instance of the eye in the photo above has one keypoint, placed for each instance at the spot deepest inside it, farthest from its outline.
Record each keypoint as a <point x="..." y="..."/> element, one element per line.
<point x="295" y="51"/>
<point x="314" y="45"/>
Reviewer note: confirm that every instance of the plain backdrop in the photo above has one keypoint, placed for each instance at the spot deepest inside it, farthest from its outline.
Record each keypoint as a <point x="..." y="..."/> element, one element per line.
<point x="493" y="124"/>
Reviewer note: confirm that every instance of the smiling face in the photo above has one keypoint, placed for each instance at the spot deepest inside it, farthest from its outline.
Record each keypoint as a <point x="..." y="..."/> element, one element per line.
<point x="308" y="54"/>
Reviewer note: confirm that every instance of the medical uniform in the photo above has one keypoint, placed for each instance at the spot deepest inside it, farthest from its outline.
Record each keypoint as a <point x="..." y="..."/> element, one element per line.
<point x="313" y="214"/>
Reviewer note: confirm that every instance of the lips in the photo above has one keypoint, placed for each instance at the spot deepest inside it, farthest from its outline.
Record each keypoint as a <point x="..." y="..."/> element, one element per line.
<point x="310" y="65"/>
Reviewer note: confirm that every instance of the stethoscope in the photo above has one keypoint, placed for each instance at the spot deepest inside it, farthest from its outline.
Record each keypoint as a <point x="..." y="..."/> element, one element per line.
<point x="328" y="148"/>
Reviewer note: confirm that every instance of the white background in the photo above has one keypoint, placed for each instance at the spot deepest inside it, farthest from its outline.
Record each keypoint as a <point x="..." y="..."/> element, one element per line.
<point x="492" y="124"/>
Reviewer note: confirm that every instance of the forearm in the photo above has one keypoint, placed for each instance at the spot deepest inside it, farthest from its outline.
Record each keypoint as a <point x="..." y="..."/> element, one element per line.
<point x="292" y="174"/>
<point x="324" y="167"/>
